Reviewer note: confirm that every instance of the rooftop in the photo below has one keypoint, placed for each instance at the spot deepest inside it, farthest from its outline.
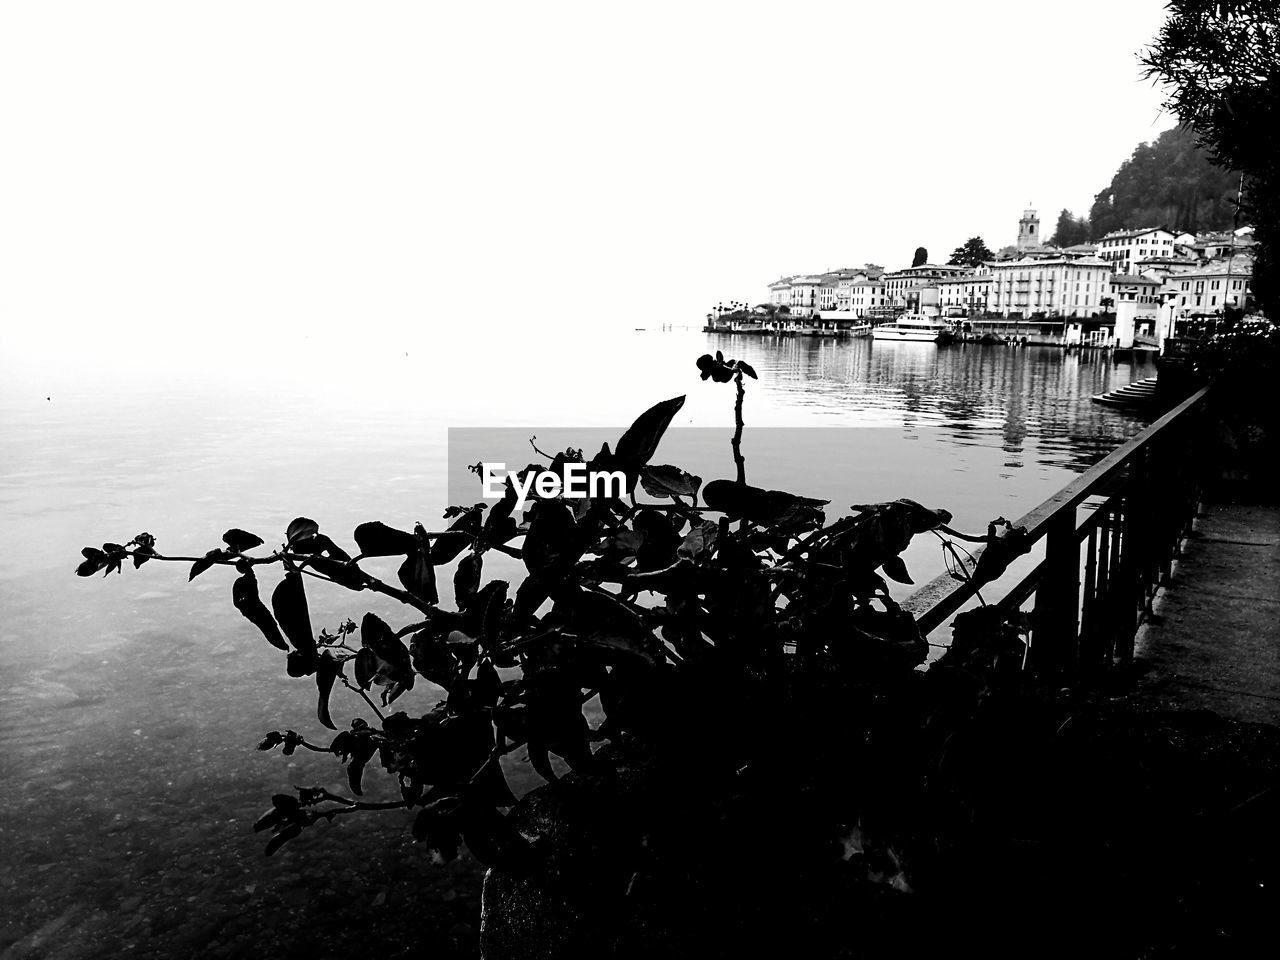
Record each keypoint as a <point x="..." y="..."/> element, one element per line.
<point x="1123" y="234"/>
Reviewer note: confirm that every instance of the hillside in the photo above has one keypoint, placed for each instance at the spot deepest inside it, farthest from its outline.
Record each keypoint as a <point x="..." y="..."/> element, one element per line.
<point x="1170" y="181"/>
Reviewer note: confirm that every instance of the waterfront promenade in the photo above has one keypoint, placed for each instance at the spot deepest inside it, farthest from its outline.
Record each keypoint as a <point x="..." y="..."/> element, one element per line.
<point x="1214" y="640"/>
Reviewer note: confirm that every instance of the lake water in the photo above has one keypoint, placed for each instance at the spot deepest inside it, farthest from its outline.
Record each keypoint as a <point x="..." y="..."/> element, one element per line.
<point x="130" y="706"/>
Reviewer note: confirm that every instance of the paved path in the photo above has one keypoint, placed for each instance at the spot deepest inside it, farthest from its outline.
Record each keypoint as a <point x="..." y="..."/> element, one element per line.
<point x="1215" y="641"/>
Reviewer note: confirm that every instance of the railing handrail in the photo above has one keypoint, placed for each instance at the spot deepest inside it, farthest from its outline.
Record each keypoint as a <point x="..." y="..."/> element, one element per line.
<point x="934" y="602"/>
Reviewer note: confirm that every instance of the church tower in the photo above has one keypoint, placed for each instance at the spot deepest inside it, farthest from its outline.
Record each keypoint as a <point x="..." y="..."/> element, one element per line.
<point x="1028" y="231"/>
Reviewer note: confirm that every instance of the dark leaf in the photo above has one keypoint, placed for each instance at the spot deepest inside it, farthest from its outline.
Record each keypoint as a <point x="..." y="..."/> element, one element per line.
<point x="484" y="617"/>
<point x="658" y="550"/>
<point x="747" y="369"/>
<point x="637" y="446"/>
<point x="205" y="562"/>
<point x="301" y="529"/>
<point x="532" y="593"/>
<point x="94" y="560"/>
<point x="1006" y="544"/>
<point x="895" y="569"/>
<point x="343" y="572"/>
<point x="269" y="819"/>
<point x="440" y="833"/>
<point x="466" y="579"/>
<point x="714" y="368"/>
<point x="284" y="836"/>
<point x="299" y="664"/>
<point x="432" y="660"/>
<point x="323" y="542"/>
<point x="244" y="594"/>
<point x="393" y="668"/>
<point x="326" y="674"/>
<point x="238" y="541"/>
<point x="366" y="665"/>
<point x="376" y="539"/>
<point x="700" y="541"/>
<point x="289" y="601"/>
<point x="499" y="525"/>
<point x="271" y="740"/>
<point x="487" y="684"/>
<point x="553" y="543"/>
<point x="362" y="750"/>
<point x="608" y="625"/>
<point x="418" y="576"/>
<point x="667" y="481"/>
<point x="765" y="507"/>
<point x="447" y="547"/>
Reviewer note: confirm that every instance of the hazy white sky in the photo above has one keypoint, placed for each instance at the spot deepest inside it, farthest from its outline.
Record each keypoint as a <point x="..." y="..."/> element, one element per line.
<point x="243" y="173"/>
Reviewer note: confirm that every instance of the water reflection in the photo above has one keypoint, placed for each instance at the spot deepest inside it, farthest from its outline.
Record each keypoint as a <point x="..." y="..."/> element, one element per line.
<point x="1036" y="398"/>
<point x="131" y="705"/>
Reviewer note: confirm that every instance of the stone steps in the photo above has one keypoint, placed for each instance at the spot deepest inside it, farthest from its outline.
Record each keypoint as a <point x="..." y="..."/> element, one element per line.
<point x="1139" y="394"/>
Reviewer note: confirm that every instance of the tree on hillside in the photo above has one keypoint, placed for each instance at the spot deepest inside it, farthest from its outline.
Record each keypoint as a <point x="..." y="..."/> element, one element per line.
<point x="922" y="256"/>
<point x="1169" y="182"/>
<point x="1070" y="230"/>
<point x="1222" y="61"/>
<point x="971" y="253"/>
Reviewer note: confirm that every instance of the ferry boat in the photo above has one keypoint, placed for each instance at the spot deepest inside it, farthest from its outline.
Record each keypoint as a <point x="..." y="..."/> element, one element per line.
<point x="911" y="326"/>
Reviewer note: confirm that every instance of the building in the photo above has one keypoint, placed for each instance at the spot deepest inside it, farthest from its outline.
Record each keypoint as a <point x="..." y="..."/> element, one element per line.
<point x="844" y="290"/>
<point x="1078" y="250"/>
<point x="1209" y="288"/>
<point x="868" y="298"/>
<point x="1058" y="286"/>
<point x="1211" y="246"/>
<point x="899" y="282"/>
<point x="1135" y="288"/>
<point x="805" y="295"/>
<point x="1136" y="300"/>
<point x="833" y="290"/>
<point x="965" y="294"/>
<point x="922" y="298"/>
<point x="1028" y="232"/>
<point x="1122" y="249"/>
<point x="780" y="292"/>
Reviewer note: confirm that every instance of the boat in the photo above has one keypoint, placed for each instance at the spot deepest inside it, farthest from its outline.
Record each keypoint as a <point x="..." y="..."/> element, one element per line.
<point x="911" y="326"/>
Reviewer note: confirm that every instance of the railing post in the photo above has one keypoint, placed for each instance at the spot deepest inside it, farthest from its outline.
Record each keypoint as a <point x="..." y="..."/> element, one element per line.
<point x="1056" y="636"/>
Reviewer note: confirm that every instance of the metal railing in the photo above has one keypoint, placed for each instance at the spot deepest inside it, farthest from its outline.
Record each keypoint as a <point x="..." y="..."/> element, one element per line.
<point x="1101" y="548"/>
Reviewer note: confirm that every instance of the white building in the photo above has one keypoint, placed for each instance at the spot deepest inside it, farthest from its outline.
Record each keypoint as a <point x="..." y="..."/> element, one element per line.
<point x="1122" y="249"/>
<point x="804" y="295"/>
<point x="868" y="298"/>
<point x="780" y="292"/>
<point x="965" y="294"/>
<point x="1058" y="286"/>
<point x="899" y="282"/>
<point x="1209" y="288"/>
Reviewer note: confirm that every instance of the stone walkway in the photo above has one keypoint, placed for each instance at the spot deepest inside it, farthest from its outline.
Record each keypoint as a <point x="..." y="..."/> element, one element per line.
<point x="1214" y="642"/>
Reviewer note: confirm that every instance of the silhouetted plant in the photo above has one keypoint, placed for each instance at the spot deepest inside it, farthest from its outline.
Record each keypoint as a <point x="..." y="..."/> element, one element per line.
<point x="719" y="591"/>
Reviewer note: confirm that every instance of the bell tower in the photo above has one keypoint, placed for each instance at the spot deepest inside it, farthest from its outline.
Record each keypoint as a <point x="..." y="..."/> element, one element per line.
<point x="1028" y="231"/>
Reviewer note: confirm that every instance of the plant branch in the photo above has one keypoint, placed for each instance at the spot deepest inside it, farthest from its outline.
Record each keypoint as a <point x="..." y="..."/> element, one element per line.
<point x="738" y="460"/>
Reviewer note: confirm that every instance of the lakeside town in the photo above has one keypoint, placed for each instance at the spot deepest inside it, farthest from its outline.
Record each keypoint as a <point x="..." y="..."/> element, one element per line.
<point x="1131" y="289"/>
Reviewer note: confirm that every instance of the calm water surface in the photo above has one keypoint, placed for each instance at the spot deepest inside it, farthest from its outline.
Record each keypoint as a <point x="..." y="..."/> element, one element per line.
<point x="130" y="706"/>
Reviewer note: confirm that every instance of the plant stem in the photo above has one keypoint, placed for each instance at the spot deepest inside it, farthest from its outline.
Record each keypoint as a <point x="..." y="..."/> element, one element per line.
<point x="736" y="443"/>
<point x="351" y="686"/>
